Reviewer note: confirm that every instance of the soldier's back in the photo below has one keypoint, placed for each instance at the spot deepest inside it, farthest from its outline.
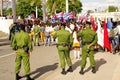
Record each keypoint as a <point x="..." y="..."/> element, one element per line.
<point x="88" y="35"/>
<point x="63" y="36"/>
<point x="22" y="38"/>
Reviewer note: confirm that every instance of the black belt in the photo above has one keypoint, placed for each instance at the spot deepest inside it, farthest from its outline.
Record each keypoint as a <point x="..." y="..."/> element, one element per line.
<point x="24" y="48"/>
<point x="20" y="47"/>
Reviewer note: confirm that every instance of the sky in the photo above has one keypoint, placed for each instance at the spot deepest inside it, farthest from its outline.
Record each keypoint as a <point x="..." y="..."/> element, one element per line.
<point x="98" y="4"/>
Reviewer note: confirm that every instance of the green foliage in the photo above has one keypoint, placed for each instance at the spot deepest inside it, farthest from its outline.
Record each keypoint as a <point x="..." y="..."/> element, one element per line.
<point x="25" y="7"/>
<point x="60" y="5"/>
<point x="112" y="9"/>
<point x="35" y="2"/>
<point x="7" y="11"/>
<point x="75" y="6"/>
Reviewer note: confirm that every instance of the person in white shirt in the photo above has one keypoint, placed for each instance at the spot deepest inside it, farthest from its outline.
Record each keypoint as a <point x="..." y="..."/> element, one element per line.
<point x="47" y="35"/>
<point x="76" y="44"/>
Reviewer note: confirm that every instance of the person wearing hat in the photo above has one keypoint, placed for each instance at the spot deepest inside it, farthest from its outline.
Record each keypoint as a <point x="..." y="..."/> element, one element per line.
<point x="23" y="45"/>
<point x="64" y="40"/>
<point x="89" y="39"/>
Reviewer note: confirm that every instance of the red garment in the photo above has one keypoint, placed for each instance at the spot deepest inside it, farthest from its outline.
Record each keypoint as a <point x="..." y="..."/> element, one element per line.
<point x="106" y="38"/>
<point x="94" y="25"/>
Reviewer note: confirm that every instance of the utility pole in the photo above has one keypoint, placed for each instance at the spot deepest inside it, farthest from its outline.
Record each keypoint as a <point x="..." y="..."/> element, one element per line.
<point x="1" y="7"/>
<point x="67" y="6"/>
<point x="14" y="10"/>
<point x="44" y="9"/>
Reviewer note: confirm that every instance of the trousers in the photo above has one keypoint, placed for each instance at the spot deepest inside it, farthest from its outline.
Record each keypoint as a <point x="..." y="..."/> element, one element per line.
<point x="64" y="56"/>
<point x="22" y="56"/>
<point x="87" y="53"/>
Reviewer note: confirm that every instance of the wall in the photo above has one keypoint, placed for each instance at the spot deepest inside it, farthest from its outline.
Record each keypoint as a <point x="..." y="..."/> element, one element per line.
<point x="5" y="24"/>
<point x="114" y="15"/>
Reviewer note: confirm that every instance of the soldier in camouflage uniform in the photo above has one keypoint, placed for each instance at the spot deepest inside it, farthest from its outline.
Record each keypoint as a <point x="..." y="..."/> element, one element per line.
<point x="89" y="39"/>
<point x="23" y="45"/>
<point x="64" y="40"/>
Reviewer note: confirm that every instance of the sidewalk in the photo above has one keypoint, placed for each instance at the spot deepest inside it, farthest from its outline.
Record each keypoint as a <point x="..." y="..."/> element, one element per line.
<point x="107" y="69"/>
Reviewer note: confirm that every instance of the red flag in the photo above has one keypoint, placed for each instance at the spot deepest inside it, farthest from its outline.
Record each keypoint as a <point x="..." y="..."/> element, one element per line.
<point x="94" y="25"/>
<point x="72" y="15"/>
<point x="62" y="14"/>
<point x="106" y="38"/>
<point x="54" y="16"/>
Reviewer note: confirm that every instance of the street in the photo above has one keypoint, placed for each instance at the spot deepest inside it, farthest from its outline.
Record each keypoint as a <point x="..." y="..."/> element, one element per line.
<point x="45" y="65"/>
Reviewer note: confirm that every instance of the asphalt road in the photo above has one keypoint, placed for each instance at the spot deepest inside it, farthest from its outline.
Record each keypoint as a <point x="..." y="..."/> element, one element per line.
<point x="45" y="65"/>
<point x="44" y="61"/>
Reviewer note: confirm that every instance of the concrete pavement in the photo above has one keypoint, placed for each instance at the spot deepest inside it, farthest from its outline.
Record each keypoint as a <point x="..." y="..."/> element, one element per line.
<point x="107" y="66"/>
<point x="45" y="66"/>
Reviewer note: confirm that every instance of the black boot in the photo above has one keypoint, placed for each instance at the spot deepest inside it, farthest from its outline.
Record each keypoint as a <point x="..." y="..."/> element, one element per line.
<point x="29" y="78"/>
<point x="81" y="71"/>
<point x="63" y="72"/>
<point x="18" y="77"/>
<point x="70" y="69"/>
<point x="93" y="70"/>
<point x="38" y="44"/>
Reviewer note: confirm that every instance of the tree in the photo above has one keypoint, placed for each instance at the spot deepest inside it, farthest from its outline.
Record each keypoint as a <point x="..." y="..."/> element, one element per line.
<point x="54" y="5"/>
<point x="14" y="10"/>
<point x="59" y="5"/>
<point x="75" y="6"/>
<point x="7" y="11"/>
<point x="36" y="3"/>
<point x="112" y="9"/>
<point x="25" y="7"/>
<point x="44" y="9"/>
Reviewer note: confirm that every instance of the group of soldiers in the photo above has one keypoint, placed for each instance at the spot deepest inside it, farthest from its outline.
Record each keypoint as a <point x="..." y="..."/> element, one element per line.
<point x="65" y="41"/>
<point x="21" y="36"/>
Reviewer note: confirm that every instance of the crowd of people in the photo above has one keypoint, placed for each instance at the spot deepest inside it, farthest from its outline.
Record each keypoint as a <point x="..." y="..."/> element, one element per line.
<point x="42" y="33"/>
<point x="89" y="35"/>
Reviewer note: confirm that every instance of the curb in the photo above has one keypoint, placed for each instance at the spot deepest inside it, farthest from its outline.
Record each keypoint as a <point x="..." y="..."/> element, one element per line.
<point x="4" y="41"/>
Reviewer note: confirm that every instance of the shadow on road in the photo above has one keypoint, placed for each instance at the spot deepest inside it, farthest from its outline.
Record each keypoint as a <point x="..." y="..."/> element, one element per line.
<point x="76" y="64"/>
<point x="98" y="64"/>
<point x="40" y="71"/>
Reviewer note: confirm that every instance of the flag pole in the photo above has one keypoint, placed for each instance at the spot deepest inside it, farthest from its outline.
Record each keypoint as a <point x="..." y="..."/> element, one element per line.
<point x="67" y="7"/>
